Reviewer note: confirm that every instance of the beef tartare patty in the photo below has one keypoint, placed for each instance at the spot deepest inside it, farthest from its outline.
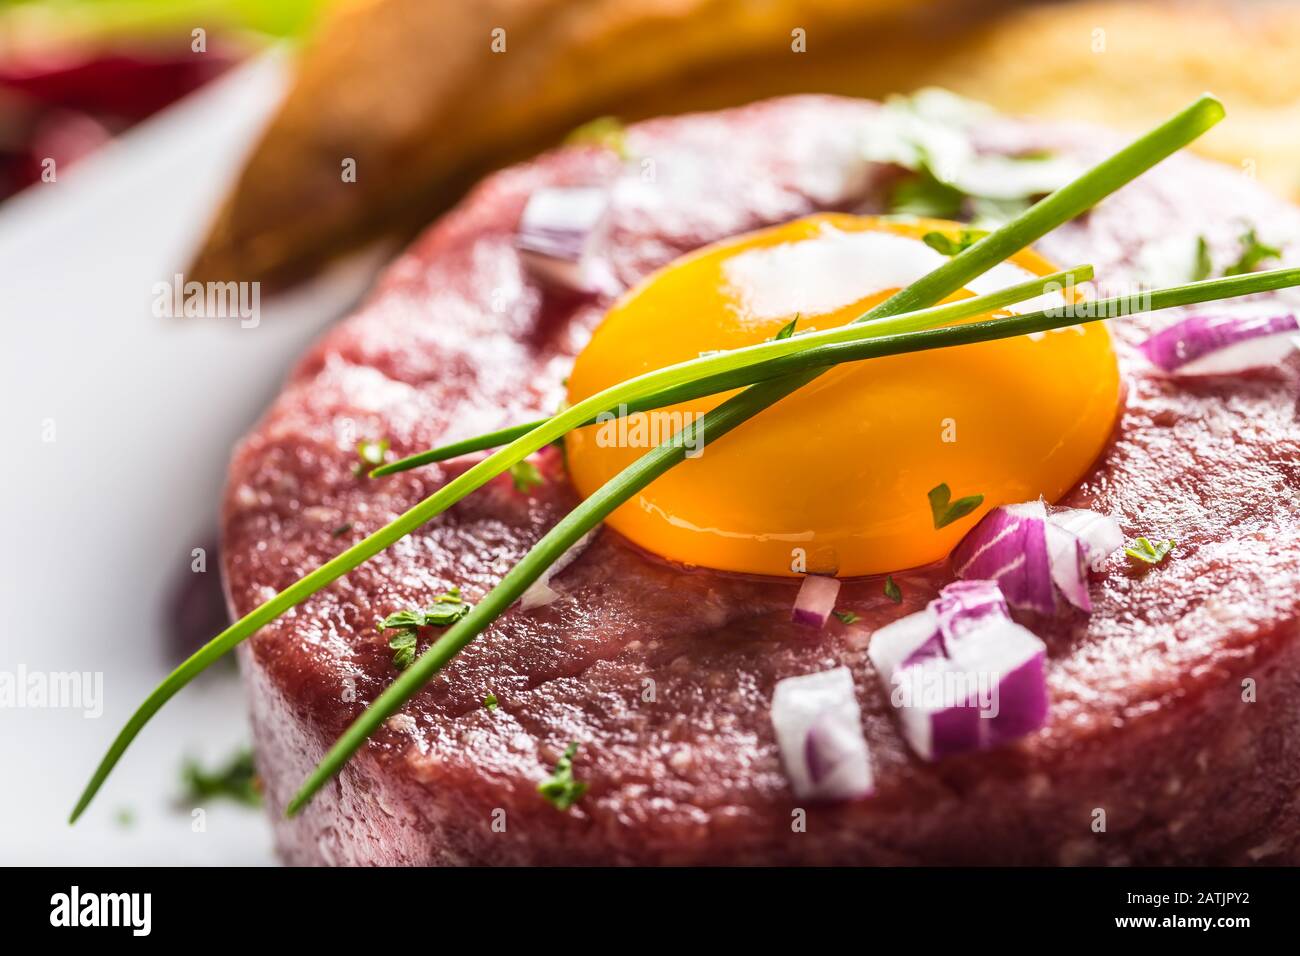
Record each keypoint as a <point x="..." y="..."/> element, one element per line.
<point x="1174" y="705"/>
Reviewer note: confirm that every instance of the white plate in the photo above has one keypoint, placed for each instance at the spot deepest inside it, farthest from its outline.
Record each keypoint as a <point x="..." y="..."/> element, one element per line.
<point x="100" y="522"/>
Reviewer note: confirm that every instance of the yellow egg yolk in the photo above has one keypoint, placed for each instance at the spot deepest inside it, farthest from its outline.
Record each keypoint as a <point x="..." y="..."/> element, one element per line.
<point x="835" y="478"/>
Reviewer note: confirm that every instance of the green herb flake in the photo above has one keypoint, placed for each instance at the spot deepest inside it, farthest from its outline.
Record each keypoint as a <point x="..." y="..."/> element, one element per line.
<point x="948" y="246"/>
<point x="525" y="476"/>
<point x="124" y="818"/>
<point x="1253" y="252"/>
<point x="847" y="617"/>
<point x="1145" y="551"/>
<point x="946" y="511"/>
<point x="490" y="701"/>
<point x="787" y="330"/>
<point x="235" y="780"/>
<point x="560" y="790"/>
<point x="403" y="645"/>
<point x="370" y="454"/>
<point x="341" y="530"/>
<point x="607" y="132"/>
<point x="924" y="195"/>
<point x="892" y="590"/>
<point x="402" y="619"/>
<point x="1203" y="266"/>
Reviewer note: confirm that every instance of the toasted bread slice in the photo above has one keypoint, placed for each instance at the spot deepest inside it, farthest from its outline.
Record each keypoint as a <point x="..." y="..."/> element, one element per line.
<point x="423" y="98"/>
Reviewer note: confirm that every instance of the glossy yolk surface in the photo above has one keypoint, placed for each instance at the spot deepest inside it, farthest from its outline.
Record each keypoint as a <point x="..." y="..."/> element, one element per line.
<point x="835" y="478"/>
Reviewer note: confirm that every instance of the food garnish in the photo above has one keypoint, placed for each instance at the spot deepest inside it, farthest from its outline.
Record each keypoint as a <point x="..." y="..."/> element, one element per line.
<point x="946" y="245"/>
<point x="1222" y="344"/>
<point x="819" y="732"/>
<point x="1253" y="252"/>
<point x="1203" y="266"/>
<point x="447" y="609"/>
<point x="560" y="789"/>
<point x="525" y="476"/>
<point x="1145" y="551"/>
<point x="815" y="601"/>
<point x="607" y="132"/>
<point x="559" y="236"/>
<point x="235" y="780"/>
<point x="490" y="701"/>
<point x="797" y="360"/>
<point x="961" y="674"/>
<point x="945" y="510"/>
<point x="846" y="617"/>
<point x="1034" y="556"/>
<point x="370" y="455"/>
<point x="892" y="590"/>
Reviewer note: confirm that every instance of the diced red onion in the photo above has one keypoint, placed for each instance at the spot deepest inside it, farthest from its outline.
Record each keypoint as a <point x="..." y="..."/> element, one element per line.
<point x="559" y="236"/>
<point x="1222" y="344"/>
<point x="819" y="733"/>
<point x="1101" y="533"/>
<point x="540" y="591"/>
<point x="816" y="600"/>
<point x="1037" y="557"/>
<point x="986" y="685"/>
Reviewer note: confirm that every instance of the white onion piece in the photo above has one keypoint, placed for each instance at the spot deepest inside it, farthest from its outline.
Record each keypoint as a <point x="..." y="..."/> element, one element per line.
<point x="559" y="236"/>
<point x="819" y="733"/>
<point x="961" y="674"/>
<point x="1035" y="557"/>
<point x="1222" y="344"/>
<point x="816" y="600"/>
<point x="1101" y="533"/>
<point x="540" y="592"/>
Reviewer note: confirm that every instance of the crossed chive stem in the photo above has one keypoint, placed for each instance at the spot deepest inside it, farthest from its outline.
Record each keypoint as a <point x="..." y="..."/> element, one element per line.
<point x="908" y="321"/>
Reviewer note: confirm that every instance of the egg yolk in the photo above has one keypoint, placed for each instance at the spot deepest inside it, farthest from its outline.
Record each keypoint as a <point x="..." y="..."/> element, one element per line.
<point x="835" y="478"/>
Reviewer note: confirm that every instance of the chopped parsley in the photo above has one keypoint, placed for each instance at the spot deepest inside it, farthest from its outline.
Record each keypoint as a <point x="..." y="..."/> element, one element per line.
<point x="924" y="195"/>
<point x="1144" y="551"/>
<point x="447" y="609"/>
<point x="560" y="790"/>
<point x="948" y="246"/>
<point x="235" y="780"/>
<point x="1203" y="267"/>
<point x="525" y="476"/>
<point x="370" y="454"/>
<point x="892" y="590"/>
<point x="604" y="131"/>
<point x="341" y="530"/>
<point x="847" y="617"/>
<point x="490" y="701"/>
<point x="1253" y="252"/>
<point x="403" y="647"/>
<point x="946" y="511"/>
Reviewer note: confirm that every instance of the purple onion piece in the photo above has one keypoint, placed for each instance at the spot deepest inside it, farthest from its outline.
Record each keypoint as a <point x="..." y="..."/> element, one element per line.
<point x="1009" y="546"/>
<point x="819" y="732"/>
<point x="559" y="235"/>
<point x="1034" y="556"/>
<point x="1222" y="344"/>
<point x="984" y="686"/>
<point x="816" y="600"/>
